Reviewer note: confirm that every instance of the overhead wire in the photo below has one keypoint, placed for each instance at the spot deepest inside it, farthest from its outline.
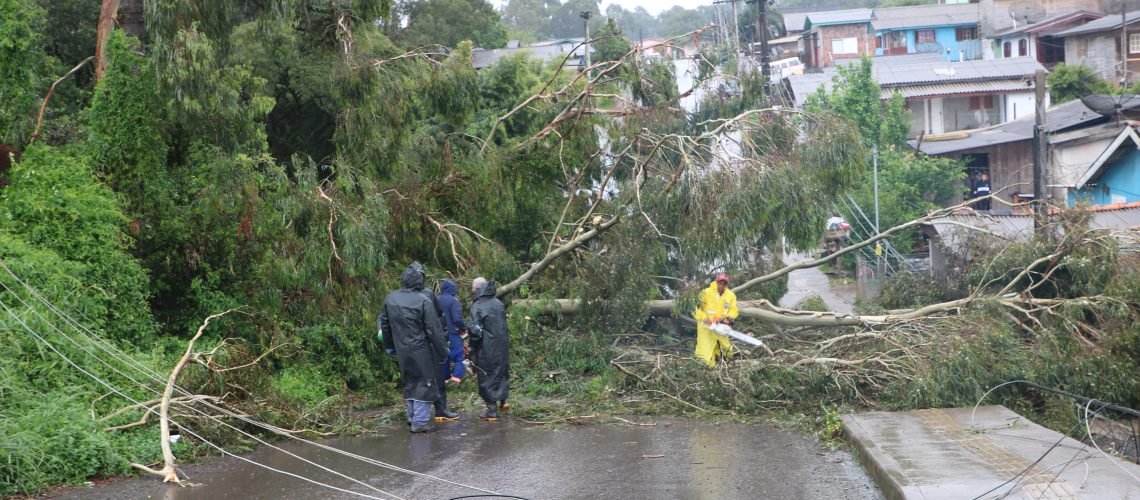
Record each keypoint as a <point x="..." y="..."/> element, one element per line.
<point x="122" y="394"/>
<point x="119" y="355"/>
<point x="1083" y="421"/>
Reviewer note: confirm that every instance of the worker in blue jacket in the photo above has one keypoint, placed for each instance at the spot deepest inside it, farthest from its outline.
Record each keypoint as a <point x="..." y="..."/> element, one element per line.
<point x="452" y="369"/>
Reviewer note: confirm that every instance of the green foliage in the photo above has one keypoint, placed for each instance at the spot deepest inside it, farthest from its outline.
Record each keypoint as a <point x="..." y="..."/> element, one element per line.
<point x="127" y="128"/>
<point x="23" y="63"/>
<point x="453" y="91"/>
<point x="303" y="384"/>
<point x="48" y="433"/>
<point x="915" y="289"/>
<point x="812" y="303"/>
<point x="1073" y="81"/>
<point x="857" y="97"/>
<point x="448" y="22"/>
<point x="611" y="44"/>
<point x="55" y="203"/>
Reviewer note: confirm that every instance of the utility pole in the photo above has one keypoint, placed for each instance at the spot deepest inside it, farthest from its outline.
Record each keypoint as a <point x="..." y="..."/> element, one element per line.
<point x="1040" y="154"/>
<point x="735" y="28"/>
<point x="762" y="31"/>
<point x="1123" y="42"/>
<point x="586" y="17"/>
<point x="735" y="24"/>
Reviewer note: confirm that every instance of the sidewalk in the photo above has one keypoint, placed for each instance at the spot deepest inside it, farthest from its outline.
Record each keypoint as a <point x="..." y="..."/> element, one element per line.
<point x="938" y="454"/>
<point x="803" y="283"/>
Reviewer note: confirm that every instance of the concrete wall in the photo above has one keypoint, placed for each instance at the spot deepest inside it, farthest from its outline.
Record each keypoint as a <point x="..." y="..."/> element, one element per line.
<point x="994" y="14"/>
<point x="1098" y="52"/>
<point x="1119" y="182"/>
<point x="1072" y="153"/>
<point x="1020" y="105"/>
<point x="957" y="115"/>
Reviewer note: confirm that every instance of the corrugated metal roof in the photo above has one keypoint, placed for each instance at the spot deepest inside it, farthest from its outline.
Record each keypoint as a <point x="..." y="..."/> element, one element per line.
<point x="850" y="16"/>
<point x="956" y="231"/>
<point x="794" y="21"/>
<point x="1058" y="118"/>
<point x="892" y="73"/>
<point x="1102" y="24"/>
<point x="806" y="84"/>
<point x="925" y="16"/>
<point x="778" y="41"/>
<point x="937" y="89"/>
<point x="1121" y="216"/>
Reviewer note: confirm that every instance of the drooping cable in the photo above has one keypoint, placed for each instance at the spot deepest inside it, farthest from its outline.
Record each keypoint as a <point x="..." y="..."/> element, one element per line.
<point x="117" y="391"/>
<point x="113" y="351"/>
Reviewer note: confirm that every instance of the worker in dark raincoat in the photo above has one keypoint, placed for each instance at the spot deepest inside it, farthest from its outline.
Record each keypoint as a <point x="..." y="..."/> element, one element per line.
<point x="490" y="346"/>
<point x="410" y="327"/>
<point x="452" y="369"/>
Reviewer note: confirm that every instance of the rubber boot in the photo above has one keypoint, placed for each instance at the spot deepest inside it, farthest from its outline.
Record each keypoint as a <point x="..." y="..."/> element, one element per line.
<point x="428" y="427"/>
<point x="442" y="414"/>
<point x="491" y="413"/>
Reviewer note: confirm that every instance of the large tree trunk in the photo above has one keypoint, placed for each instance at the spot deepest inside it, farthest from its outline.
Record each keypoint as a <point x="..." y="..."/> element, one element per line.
<point x="128" y="14"/>
<point x="103" y="32"/>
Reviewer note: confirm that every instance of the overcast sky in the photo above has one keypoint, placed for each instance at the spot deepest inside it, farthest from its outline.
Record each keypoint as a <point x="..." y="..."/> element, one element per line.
<point x="656" y="6"/>
<point x="653" y="6"/>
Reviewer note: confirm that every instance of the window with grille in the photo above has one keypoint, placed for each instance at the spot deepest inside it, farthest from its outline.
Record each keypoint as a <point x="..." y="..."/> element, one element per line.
<point x="1022" y="47"/>
<point x="925" y="36"/>
<point x="968" y="33"/>
<point x="1134" y="43"/>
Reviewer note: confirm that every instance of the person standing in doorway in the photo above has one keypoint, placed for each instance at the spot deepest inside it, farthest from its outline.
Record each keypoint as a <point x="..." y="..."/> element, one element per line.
<point x="490" y="347"/>
<point x="410" y="327"/>
<point x="718" y="305"/>
<point x="982" y="188"/>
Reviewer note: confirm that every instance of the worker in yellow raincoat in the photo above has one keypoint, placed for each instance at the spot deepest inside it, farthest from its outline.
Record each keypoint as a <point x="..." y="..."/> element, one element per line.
<point x="718" y="305"/>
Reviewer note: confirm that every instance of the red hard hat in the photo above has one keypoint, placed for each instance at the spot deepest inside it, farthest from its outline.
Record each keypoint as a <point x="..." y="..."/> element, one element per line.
<point x="722" y="277"/>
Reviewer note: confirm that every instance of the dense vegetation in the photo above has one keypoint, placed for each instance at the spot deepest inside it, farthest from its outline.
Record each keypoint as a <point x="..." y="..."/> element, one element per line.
<point x="287" y="159"/>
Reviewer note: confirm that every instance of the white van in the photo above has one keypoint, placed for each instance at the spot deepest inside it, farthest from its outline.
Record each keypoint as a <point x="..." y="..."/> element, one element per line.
<point x="786" y="67"/>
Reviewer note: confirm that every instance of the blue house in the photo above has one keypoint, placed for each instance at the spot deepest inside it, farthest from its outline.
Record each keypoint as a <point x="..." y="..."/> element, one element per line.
<point x="950" y="30"/>
<point x="1114" y="178"/>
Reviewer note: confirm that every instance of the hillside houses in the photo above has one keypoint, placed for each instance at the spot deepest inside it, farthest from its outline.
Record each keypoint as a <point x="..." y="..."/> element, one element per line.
<point x="1097" y="45"/>
<point x="959" y="30"/>
<point x="949" y="30"/>
<point x="945" y="96"/>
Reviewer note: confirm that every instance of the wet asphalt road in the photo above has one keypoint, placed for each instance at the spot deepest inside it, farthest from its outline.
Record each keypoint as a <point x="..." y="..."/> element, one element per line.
<point x="677" y="458"/>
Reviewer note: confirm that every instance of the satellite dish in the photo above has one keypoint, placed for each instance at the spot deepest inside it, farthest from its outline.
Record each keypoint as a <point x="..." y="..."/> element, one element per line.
<point x="1026" y="12"/>
<point x="1111" y="105"/>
